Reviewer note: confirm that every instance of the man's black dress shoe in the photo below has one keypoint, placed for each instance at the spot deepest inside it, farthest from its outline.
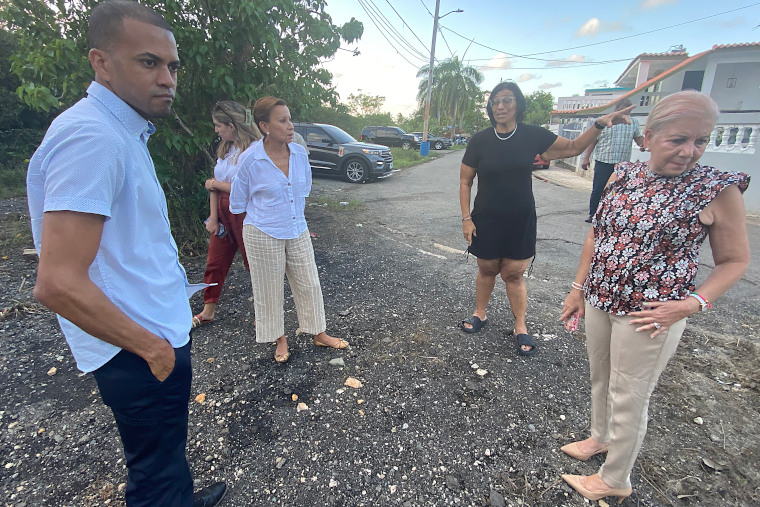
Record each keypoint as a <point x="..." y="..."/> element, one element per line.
<point x="588" y="220"/>
<point x="210" y="496"/>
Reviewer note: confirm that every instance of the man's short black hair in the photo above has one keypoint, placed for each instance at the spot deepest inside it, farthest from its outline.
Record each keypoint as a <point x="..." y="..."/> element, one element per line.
<point x="106" y="21"/>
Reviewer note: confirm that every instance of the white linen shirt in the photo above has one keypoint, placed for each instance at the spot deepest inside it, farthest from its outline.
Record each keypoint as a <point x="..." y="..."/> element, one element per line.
<point x="94" y="159"/>
<point x="226" y="168"/>
<point x="272" y="202"/>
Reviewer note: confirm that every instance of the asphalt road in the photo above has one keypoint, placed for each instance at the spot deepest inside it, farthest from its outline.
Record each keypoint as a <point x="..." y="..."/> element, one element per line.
<point x="418" y="207"/>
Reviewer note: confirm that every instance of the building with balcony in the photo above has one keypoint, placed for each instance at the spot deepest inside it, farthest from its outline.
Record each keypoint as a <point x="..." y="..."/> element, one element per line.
<point x="594" y="97"/>
<point x="729" y="73"/>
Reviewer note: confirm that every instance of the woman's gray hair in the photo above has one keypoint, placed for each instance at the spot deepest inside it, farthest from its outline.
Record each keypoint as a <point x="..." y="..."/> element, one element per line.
<point x="686" y="104"/>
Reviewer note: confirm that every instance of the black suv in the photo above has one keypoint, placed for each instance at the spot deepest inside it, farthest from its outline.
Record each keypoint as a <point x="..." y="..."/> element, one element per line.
<point x="390" y="136"/>
<point x="333" y="151"/>
<point x="439" y="143"/>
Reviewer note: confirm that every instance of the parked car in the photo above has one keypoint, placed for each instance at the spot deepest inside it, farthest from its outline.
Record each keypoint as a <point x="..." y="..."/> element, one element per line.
<point x="333" y="151"/>
<point x="390" y="136"/>
<point x="438" y="143"/>
<point x="540" y="163"/>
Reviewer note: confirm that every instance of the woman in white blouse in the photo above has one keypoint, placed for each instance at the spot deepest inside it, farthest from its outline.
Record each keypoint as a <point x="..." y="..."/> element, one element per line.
<point x="271" y="187"/>
<point x="226" y="229"/>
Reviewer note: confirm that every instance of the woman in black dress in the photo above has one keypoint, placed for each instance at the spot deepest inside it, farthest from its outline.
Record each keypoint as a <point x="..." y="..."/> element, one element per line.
<point x="501" y="227"/>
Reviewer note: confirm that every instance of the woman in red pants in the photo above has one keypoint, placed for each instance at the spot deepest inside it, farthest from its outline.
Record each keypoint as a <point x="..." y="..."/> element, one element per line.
<point x="226" y="229"/>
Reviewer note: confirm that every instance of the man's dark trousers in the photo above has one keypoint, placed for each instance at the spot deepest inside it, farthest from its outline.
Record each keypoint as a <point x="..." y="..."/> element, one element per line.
<point x="152" y="421"/>
<point x="602" y="173"/>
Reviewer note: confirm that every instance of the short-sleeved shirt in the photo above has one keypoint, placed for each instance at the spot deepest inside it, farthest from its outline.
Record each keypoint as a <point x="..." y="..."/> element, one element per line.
<point x="615" y="143"/>
<point x="647" y="235"/>
<point x="226" y="168"/>
<point x="94" y="159"/>
<point x="504" y="212"/>
<point x="273" y="203"/>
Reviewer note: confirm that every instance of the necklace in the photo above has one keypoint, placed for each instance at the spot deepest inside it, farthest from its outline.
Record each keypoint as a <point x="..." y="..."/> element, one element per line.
<point x="505" y="138"/>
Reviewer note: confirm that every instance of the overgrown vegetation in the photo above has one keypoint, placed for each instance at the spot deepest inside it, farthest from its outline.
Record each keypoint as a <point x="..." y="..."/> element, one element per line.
<point x="229" y="50"/>
<point x="20" y="128"/>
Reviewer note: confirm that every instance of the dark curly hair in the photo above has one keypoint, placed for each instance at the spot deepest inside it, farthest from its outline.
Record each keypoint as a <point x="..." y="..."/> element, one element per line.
<point x="519" y="97"/>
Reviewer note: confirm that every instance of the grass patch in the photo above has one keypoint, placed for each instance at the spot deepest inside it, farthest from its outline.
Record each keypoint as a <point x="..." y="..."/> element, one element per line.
<point x="334" y="204"/>
<point x="13" y="177"/>
<point x="406" y="158"/>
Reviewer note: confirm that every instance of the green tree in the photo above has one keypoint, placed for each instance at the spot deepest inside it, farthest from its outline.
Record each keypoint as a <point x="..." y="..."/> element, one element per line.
<point x="538" y="108"/>
<point x="239" y="50"/>
<point x="454" y="86"/>
<point x="363" y="104"/>
<point x="21" y="130"/>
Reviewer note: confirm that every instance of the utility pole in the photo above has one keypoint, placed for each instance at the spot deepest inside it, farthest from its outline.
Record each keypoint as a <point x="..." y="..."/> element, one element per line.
<point x="430" y="74"/>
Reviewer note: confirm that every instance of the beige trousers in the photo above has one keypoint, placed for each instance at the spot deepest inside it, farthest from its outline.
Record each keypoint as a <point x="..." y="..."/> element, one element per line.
<point x="269" y="259"/>
<point x="625" y="366"/>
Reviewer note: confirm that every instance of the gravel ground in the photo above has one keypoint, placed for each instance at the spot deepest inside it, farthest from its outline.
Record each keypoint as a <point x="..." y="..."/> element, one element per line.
<point x="440" y="417"/>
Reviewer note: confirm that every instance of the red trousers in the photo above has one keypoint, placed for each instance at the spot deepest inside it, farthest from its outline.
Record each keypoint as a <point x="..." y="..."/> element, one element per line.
<point x="221" y="251"/>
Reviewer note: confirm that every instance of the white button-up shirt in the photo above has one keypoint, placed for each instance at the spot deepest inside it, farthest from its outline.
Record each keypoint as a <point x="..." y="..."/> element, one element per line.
<point x="273" y="203"/>
<point x="226" y="168"/>
<point x="94" y="159"/>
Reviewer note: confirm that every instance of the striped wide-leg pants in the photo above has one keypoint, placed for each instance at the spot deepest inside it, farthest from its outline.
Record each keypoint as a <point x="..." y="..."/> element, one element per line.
<point x="269" y="259"/>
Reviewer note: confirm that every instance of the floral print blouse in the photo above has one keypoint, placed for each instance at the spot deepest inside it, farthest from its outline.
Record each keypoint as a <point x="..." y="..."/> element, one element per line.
<point x="647" y="235"/>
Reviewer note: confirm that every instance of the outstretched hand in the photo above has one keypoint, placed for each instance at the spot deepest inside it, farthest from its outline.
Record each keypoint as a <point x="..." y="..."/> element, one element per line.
<point x="617" y="117"/>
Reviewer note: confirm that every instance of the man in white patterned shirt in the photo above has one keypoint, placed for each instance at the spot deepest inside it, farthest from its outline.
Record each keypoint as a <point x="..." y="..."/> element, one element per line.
<point x="613" y="146"/>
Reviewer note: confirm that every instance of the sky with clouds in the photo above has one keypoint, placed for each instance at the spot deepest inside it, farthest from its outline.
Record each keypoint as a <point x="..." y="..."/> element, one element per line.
<point x="558" y="46"/>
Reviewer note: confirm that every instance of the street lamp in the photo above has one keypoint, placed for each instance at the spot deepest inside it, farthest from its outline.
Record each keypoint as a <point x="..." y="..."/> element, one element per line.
<point x="430" y="75"/>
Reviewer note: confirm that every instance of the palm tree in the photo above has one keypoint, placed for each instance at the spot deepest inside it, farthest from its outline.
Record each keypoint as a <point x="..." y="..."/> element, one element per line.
<point x="454" y="86"/>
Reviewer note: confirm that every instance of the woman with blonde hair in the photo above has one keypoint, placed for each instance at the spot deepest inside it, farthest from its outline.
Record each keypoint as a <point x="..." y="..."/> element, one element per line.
<point x="271" y="189"/>
<point x="226" y="229"/>
<point x="637" y="273"/>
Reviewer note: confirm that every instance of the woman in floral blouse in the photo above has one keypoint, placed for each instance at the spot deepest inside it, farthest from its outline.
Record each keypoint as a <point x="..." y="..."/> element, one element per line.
<point x="637" y="272"/>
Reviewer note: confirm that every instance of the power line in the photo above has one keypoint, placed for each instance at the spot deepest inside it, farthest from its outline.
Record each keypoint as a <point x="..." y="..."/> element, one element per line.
<point x="530" y="55"/>
<point x="391" y="30"/>
<point x="446" y="42"/>
<point x="409" y="27"/>
<point x="366" y="9"/>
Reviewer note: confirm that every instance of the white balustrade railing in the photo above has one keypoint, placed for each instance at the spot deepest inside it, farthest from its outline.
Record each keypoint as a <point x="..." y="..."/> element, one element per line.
<point x="734" y="138"/>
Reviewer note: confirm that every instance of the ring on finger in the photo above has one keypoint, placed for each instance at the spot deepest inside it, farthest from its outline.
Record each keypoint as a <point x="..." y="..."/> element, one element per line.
<point x="657" y="325"/>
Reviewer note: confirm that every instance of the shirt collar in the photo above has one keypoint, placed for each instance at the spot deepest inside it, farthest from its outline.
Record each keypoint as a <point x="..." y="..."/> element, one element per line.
<point x="135" y="124"/>
<point x="259" y="152"/>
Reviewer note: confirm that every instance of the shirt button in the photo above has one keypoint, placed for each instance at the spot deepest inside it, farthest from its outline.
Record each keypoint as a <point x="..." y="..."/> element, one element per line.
<point x="288" y="184"/>
<point x="291" y="200"/>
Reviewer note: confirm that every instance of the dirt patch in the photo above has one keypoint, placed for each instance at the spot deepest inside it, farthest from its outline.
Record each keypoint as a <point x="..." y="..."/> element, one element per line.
<point x="442" y="418"/>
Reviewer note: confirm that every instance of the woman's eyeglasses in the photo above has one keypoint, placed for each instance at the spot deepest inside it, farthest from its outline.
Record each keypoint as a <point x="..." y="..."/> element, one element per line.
<point x="494" y="103"/>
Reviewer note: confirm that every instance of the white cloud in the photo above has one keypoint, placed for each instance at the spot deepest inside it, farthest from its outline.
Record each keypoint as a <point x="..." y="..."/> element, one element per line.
<point x="589" y="28"/>
<point x="594" y="26"/>
<point x="547" y="86"/>
<point x="653" y="4"/>
<point x="500" y="61"/>
<point x="733" y="23"/>
<point x="527" y="77"/>
<point x="572" y="58"/>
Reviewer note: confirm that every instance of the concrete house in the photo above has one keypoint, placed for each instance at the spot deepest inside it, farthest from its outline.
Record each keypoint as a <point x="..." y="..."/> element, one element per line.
<point x="729" y="73"/>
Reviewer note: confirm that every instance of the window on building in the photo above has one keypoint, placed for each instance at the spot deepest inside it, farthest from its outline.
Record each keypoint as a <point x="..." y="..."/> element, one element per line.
<point x="692" y="80"/>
